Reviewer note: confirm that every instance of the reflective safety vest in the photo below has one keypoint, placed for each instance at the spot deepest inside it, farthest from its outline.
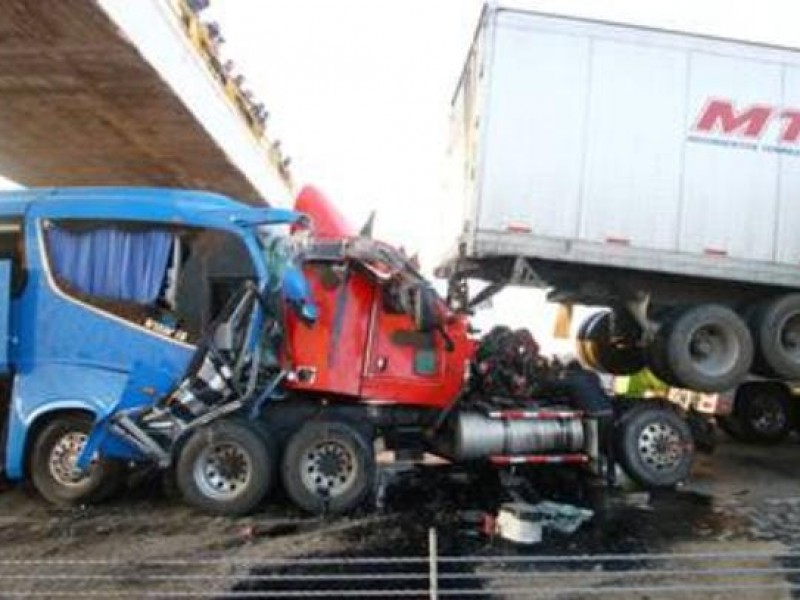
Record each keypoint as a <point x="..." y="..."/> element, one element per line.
<point x="640" y="385"/>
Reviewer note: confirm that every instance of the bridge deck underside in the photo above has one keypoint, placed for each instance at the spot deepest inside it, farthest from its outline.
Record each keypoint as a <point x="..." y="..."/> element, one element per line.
<point x="80" y="106"/>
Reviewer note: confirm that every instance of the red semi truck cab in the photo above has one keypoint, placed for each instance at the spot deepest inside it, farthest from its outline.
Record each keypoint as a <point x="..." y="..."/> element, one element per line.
<point x="359" y="347"/>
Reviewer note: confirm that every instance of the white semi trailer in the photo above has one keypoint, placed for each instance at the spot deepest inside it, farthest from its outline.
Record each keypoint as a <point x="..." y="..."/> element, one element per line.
<point x="651" y="172"/>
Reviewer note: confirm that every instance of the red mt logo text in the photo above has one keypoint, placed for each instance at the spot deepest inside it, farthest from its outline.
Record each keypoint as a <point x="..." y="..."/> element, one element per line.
<point x="722" y="117"/>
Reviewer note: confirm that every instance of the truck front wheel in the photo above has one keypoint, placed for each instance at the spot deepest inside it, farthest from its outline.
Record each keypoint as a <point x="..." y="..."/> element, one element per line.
<point x="654" y="445"/>
<point x="52" y="464"/>
<point x="328" y="467"/>
<point x="226" y="468"/>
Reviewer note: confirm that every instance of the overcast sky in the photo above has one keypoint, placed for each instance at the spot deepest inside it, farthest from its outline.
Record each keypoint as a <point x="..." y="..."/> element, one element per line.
<point x="359" y="90"/>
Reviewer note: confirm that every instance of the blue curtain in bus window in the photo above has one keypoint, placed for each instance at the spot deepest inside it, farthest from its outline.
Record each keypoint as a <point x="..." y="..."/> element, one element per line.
<point x="111" y="263"/>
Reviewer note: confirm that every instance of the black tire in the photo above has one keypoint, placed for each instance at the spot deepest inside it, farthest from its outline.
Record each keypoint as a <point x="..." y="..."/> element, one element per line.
<point x="328" y="467"/>
<point x="63" y="437"/>
<point x="603" y="352"/>
<point x="583" y="347"/>
<point x="657" y="352"/>
<point x="761" y="412"/>
<point x="706" y="348"/>
<point x="226" y="468"/>
<point x="775" y="326"/>
<point x="654" y="445"/>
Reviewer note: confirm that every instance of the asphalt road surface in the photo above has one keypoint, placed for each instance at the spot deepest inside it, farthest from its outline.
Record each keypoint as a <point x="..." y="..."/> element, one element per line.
<point x="736" y="526"/>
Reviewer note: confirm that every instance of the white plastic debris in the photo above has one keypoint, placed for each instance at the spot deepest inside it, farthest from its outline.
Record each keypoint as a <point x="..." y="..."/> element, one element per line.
<point x="523" y="523"/>
<point x="517" y="523"/>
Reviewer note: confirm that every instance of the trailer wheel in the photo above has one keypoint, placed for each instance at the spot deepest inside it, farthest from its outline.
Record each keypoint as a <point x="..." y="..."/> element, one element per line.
<point x="761" y="413"/>
<point x="657" y="360"/>
<point x="775" y="326"/>
<point x="655" y="446"/>
<point x="328" y="467"/>
<point x="599" y="350"/>
<point x="226" y="468"/>
<point x="706" y="348"/>
<point x="52" y="464"/>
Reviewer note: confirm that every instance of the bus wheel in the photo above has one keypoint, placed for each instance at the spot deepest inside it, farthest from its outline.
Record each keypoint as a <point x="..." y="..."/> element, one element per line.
<point x="52" y="464"/>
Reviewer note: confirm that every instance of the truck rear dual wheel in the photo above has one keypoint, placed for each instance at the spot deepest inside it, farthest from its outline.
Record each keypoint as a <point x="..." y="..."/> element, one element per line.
<point x="654" y="445"/>
<point x="775" y="325"/>
<point x="328" y="467"/>
<point x="706" y="348"/>
<point x="600" y="351"/>
<point x="226" y="468"/>
<point x="55" y="451"/>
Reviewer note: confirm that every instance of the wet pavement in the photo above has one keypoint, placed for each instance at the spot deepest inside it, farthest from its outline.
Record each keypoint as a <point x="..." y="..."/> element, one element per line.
<point x="743" y="501"/>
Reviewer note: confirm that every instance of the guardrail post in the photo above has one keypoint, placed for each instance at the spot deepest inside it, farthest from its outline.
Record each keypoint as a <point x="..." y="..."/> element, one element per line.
<point x="433" y="567"/>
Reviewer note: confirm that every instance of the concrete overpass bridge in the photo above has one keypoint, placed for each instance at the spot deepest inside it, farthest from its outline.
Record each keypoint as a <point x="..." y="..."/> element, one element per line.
<point x="128" y="92"/>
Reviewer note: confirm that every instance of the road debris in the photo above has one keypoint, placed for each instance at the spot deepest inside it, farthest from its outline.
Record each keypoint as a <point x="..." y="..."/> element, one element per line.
<point x="517" y="522"/>
<point x="523" y="523"/>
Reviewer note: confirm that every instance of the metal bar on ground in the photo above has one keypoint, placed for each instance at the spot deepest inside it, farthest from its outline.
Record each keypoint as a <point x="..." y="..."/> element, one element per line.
<point x="432" y="565"/>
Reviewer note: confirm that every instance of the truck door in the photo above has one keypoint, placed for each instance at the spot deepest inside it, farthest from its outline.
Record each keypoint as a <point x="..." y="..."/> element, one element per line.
<point x="334" y="347"/>
<point x="403" y="364"/>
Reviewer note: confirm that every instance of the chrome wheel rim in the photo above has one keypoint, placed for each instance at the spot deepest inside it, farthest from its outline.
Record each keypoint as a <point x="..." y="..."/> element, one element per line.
<point x="64" y="458"/>
<point x="660" y="446"/>
<point x="223" y="471"/>
<point x="329" y="468"/>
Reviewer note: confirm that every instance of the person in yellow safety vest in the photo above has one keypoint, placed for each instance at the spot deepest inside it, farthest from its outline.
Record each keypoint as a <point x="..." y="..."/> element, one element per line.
<point x="640" y="385"/>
